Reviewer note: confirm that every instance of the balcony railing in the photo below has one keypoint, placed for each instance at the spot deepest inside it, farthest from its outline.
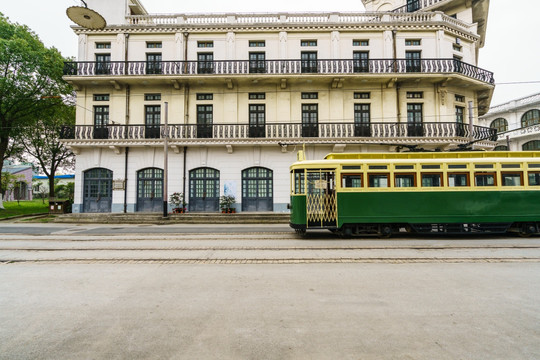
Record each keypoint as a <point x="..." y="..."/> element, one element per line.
<point x="279" y="131"/>
<point x="416" y="5"/>
<point x="276" y="67"/>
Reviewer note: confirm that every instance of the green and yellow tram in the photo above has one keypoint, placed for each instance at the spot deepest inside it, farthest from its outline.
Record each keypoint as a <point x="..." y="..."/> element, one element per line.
<point x="435" y="192"/>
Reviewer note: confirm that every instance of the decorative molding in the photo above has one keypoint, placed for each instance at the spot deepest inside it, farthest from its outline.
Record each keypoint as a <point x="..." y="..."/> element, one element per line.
<point x="229" y="148"/>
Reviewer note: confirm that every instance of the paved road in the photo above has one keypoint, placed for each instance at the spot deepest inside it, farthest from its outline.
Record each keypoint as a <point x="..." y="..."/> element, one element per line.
<point x="112" y="292"/>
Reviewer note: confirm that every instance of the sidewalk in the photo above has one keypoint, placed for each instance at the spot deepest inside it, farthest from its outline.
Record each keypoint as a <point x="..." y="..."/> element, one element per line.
<point x="188" y="218"/>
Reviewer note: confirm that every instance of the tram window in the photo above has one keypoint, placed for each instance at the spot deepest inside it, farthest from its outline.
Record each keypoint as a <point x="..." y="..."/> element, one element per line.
<point x="511" y="166"/>
<point x="483" y="166"/>
<point x="457" y="166"/>
<point x="378" y="180"/>
<point x="431" y="167"/>
<point x="404" y="167"/>
<point x="351" y="180"/>
<point x="299" y="181"/>
<point x="405" y="180"/>
<point x="534" y="166"/>
<point x="431" y="180"/>
<point x="484" y="179"/>
<point x="455" y="180"/>
<point x="534" y="178"/>
<point x="512" y="179"/>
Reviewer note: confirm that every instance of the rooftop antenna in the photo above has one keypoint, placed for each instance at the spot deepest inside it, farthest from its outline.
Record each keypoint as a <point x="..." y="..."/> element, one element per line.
<point x="85" y="17"/>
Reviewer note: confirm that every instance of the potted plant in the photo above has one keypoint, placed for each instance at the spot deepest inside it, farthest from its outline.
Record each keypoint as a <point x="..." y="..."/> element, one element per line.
<point x="226" y="203"/>
<point x="177" y="199"/>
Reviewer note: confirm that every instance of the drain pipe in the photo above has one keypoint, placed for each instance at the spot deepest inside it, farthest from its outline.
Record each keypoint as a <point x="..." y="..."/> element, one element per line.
<point x="184" y="180"/>
<point x="125" y="178"/>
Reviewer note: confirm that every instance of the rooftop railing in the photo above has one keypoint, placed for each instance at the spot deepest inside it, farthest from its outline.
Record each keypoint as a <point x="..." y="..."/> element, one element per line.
<point x="276" y="67"/>
<point x="358" y="18"/>
<point x="279" y="131"/>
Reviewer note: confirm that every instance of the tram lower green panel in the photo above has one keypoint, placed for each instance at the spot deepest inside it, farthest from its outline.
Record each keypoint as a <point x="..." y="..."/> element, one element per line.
<point x="298" y="210"/>
<point x="438" y="207"/>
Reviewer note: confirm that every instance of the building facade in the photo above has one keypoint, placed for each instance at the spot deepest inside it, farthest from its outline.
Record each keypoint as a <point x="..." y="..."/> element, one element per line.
<point x="517" y="123"/>
<point x="241" y="93"/>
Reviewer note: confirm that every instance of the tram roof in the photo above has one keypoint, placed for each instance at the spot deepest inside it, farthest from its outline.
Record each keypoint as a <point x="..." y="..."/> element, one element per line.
<point x="434" y="155"/>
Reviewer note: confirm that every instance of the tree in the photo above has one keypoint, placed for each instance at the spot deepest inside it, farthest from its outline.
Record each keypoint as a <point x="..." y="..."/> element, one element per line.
<point x="31" y="81"/>
<point x="43" y="144"/>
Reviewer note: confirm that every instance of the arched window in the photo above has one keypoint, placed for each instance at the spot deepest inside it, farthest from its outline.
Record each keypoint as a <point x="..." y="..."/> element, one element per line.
<point x="150" y="190"/>
<point x="531" y="117"/>
<point x="500" y="148"/>
<point x="257" y="189"/>
<point x="500" y="124"/>
<point x="531" y="145"/>
<point x="204" y="189"/>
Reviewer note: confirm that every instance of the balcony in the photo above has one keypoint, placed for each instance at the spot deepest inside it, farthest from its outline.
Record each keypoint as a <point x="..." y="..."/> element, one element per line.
<point x="277" y="67"/>
<point x="283" y="132"/>
<point x="416" y="5"/>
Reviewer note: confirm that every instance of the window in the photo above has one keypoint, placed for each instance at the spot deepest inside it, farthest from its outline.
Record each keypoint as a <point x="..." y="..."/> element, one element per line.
<point x="103" y="45"/>
<point x="484" y="179"/>
<point x="404" y="180"/>
<point x="362" y="95"/>
<point x="360" y="43"/>
<point x="101" y="120"/>
<point x="431" y="167"/>
<point x="512" y="179"/>
<point x="257" y="43"/>
<point x="205" y="96"/>
<point x="152" y="121"/>
<point x="457" y="47"/>
<point x="153" y="45"/>
<point x="431" y="180"/>
<point x="204" y="121"/>
<point x="205" y="44"/>
<point x="152" y="97"/>
<point x="531" y="145"/>
<point x="299" y="181"/>
<point x="378" y="180"/>
<point x="101" y="97"/>
<point x="257" y="96"/>
<point x="534" y="178"/>
<point x="153" y="64"/>
<point x="415" y="94"/>
<point x="458" y="179"/>
<point x="205" y="63"/>
<point x="310" y="120"/>
<point x="308" y="43"/>
<point x="500" y="148"/>
<point x="413" y="61"/>
<point x="459" y="98"/>
<point x="257" y="120"/>
<point x="413" y="5"/>
<point x="500" y="124"/>
<point x="257" y="62"/>
<point x="103" y="64"/>
<point x="361" y="61"/>
<point x="310" y="95"/>
<point x="309" y="62"/>
<point x="413" y="42"/>
<point x="351" y="180"/>
<point x="362" y="120"/>
<point x="530" y="118"/>
<point x="460" y="114"/>
<point x="414" y="120"/>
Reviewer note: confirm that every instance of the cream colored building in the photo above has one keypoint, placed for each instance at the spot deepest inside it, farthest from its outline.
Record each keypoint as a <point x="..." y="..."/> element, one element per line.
<point x="517" y="123"/>
<point x="243" y="92"/>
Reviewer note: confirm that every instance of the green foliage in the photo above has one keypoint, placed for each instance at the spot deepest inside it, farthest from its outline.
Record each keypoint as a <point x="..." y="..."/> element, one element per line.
<point x="65" y="191"/>
<point x="226" y="202"/>
<point x="31" y="84"/>
<point x="8" y="181"/>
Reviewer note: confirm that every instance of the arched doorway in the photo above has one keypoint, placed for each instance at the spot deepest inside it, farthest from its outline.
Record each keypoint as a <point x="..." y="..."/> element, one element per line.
<point x="97" y="192"/>
<point x="203" y="190"/>
<point x="257" y="189"/>
<point x="150" y="190"/>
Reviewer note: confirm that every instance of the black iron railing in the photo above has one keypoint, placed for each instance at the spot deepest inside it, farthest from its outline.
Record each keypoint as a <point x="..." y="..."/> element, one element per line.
<point x="415" y="5"/>
<point x="279" y="131"/>
<point x="279" y="67"/>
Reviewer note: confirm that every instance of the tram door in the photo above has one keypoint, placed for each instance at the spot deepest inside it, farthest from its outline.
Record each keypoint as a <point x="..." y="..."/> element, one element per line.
<point x="321" y="202"/>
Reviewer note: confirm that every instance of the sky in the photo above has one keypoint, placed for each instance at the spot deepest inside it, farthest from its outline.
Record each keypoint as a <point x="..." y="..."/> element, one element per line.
<point x="512" y="48"/>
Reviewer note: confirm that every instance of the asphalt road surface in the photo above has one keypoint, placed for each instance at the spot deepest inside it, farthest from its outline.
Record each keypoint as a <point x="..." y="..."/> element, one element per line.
<point x="261" y="292"/>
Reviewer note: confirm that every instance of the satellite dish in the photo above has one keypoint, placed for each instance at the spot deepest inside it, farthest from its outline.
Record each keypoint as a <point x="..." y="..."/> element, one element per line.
<point x="86" y="17"/>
